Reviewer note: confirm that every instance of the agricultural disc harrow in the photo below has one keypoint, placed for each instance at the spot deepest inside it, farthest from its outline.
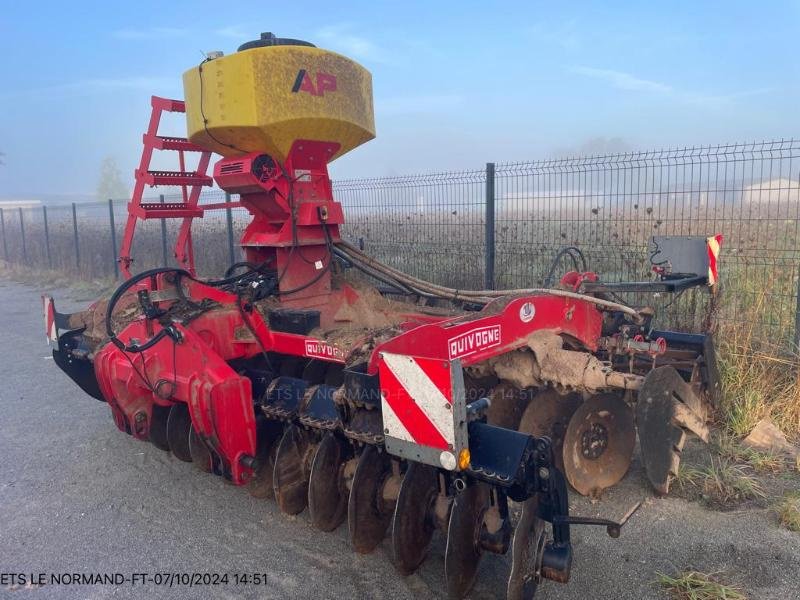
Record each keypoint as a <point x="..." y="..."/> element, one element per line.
<point x="413" y="410"/>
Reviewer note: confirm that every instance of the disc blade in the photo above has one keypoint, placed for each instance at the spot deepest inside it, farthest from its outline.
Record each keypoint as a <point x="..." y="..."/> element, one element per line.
<point x="367" y="518"/>
<point x="548" y="413"/>
<point x="463" y="551"/>
<point x="506" y="406"/>
<point x="527" y="546"/>
<point x="158" y="427"/>
<point x="268" y="434"/>
<point x="179" y="423"/>
<point x="413" y="527"/>
<point x="201" y="456"/>
<point x="290" y="475"/>
<point x="666" y="406"/>
<point x="327" y="497"/>
<point x="598" y="445"/>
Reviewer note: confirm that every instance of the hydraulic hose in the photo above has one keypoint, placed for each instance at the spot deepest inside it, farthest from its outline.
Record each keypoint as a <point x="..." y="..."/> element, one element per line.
<point x="124" y="287"/>
<point x="484" y="296"/>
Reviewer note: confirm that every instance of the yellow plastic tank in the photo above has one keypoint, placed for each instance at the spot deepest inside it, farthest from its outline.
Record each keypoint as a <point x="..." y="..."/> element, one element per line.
<point x="263" y="98"/>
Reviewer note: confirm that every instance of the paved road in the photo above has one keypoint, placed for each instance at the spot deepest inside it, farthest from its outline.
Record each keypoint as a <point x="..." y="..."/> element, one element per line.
<point x="76" y="495"/>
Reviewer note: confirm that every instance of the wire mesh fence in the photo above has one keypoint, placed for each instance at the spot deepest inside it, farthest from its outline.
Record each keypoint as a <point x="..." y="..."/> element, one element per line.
<point x="501" y="226"/>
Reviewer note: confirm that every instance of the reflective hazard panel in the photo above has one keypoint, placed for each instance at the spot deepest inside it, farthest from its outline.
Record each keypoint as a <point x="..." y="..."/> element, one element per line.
<point x="714" y="243"/>
<point x="424" y="408"/>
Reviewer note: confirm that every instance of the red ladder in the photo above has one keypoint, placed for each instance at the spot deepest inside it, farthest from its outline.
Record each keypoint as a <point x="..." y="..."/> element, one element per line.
<point x="190" y="182"/>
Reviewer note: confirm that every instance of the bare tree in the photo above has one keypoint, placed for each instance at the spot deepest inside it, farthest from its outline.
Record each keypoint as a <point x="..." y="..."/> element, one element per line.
<point x="110" y="184"/>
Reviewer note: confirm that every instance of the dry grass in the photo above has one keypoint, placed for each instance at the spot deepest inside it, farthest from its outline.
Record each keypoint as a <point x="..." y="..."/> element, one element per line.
<point x="48" y="278"/>
<point x="788" y="511"/>
<point x="758" y="380"/>
<point x="762" y="462"/>
<point x="722" y="483"/>
<point x="694" y="585"/>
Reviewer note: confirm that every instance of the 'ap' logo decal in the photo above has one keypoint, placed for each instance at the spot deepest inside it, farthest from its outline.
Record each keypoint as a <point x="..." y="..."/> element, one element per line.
<point x="303" y="83"/>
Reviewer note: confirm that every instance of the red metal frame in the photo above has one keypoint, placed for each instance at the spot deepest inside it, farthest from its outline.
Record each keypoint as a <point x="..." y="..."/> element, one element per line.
<point x="220" y="400"/>
<point x="294" y="216"/>
<point x="190" y="182"/>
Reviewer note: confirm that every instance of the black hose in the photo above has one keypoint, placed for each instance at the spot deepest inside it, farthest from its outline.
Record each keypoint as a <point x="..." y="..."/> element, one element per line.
<point x="252" y="267"/>
<point x="574" y="254"/>
<point x="374" y="274"/>
<point x="112" y="302"/>
<point x="180" y="274"/>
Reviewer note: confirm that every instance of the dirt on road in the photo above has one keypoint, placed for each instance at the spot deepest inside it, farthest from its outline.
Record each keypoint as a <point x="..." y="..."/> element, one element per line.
<point x="78" y="496"/>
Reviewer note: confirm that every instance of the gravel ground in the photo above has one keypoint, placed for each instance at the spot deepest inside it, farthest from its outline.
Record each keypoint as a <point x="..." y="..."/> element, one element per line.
<point x="76" y="495"/>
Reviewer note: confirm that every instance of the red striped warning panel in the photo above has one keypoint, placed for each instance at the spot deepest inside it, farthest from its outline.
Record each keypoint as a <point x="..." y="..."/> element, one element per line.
<point x="50" y="319"/>
<point x="713" y="243"/>
<point x="416" y="400"/>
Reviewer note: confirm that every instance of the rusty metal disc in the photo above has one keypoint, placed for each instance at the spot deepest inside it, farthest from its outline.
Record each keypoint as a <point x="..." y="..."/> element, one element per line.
<point x="507" y="405"/>
<point x="268" y="434"/>
<point x="327" y="494"/>
<point x="463" y="551"/>
<point x="158" y="427"/>
<point x="548" y="413"/>
<point x="413" y="524"/>
<point x="201" y="456"/>
<point x="179" y="423"/>
<point x="290" y="475"/>
<point x="527" y="547"/>
<point x="666" y="407"/>
<point x="367" y="517"/>
<point x="598" y="445"/>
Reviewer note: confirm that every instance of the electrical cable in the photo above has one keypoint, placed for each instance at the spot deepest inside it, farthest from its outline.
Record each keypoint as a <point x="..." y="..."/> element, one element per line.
<point x="318" y="276"/>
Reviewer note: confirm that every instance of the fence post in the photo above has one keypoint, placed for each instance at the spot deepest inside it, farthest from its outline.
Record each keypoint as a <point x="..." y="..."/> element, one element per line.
<point x="5" y="243"/>
<point x="488" y="274"/>
<point x="47" y="238"/>
<point x="75" y="233"/>
<point x="113" y="238"/>
<point x="229" y="219"/>
<point x="163" y="234"/>
<point x="796" y="313"/>
<point x="22" y="233"/>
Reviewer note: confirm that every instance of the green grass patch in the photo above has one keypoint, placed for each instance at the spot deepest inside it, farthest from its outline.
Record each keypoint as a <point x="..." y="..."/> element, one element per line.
<point x="722" y="483"/>
<point x="694" y="585"/>
<point x="788" y="511"/>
